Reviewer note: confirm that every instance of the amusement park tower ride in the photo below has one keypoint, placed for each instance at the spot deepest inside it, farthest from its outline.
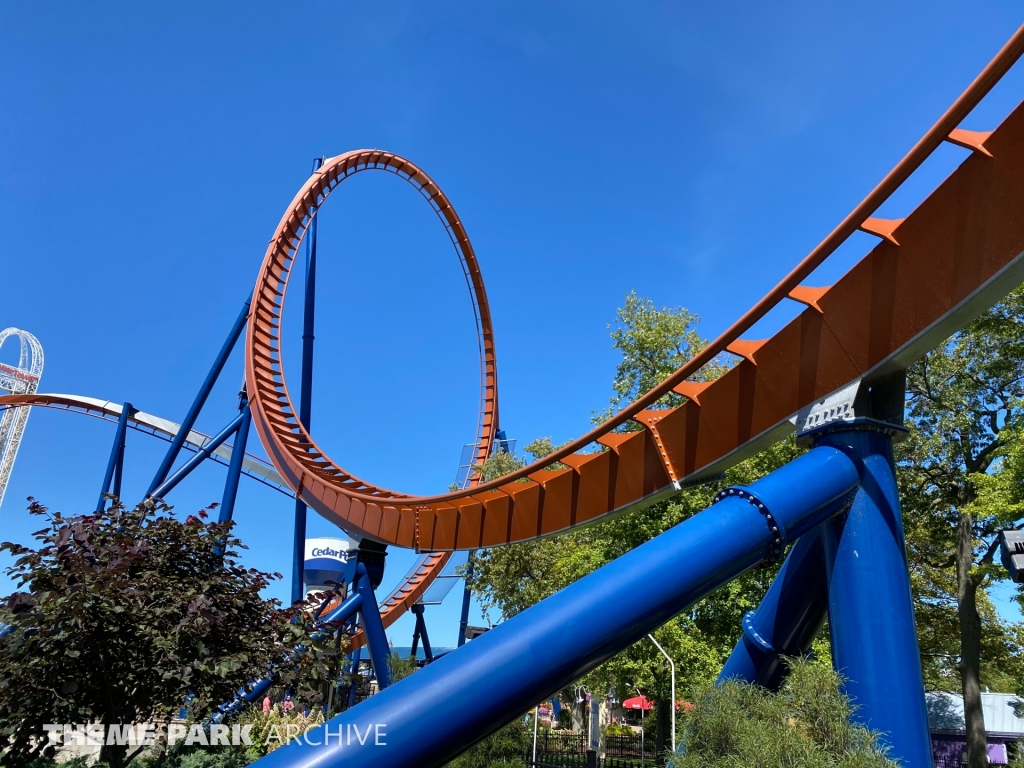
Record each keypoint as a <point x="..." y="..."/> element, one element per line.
<point x="22" y="379"/>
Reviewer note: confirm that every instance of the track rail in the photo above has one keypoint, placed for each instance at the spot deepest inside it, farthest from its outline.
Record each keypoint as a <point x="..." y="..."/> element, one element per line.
<point x="401" y="599"/>
<point x="954" y="256"/>
<point x="252" y="466"/>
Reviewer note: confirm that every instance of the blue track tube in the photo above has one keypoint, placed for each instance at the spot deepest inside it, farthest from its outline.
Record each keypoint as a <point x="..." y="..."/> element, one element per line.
<point x="197" y="405"/>
<point x="227" y="502"/>
<point x="305" y="396"/>
<point x="787" y="619"/>
<point x="203" y="454"/>
<point x="116" y="455"/>
<point x="870" y="610"/>
<point x="522" y="660"/>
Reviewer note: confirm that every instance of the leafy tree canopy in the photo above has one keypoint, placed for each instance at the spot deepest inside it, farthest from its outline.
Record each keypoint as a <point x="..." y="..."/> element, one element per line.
<point x="507" y="580"/>
<point x="124" y="613"/>
<point x="960" y="475"/>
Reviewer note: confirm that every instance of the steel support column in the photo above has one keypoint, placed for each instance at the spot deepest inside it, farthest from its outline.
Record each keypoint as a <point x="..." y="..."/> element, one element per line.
<point x="227" y="503"/>
<point x="116" y="460"/>
<point x="870" y="609"/>
<point x="420" y="632"/>
<point x="201" y="455"/>
<point x="355" y="657"/>
<point x="197" y="405"/>
<point x="467" y="593"/>
<point x="373" y="628"/>
<point x="305" y="394"/>
<point x="787" y="619"/>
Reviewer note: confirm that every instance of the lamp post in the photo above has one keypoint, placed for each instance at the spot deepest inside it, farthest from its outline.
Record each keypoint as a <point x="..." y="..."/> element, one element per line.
<point x="642" y="702"/>
<point x="672" y="666"/>
<point x="535" y="718"/>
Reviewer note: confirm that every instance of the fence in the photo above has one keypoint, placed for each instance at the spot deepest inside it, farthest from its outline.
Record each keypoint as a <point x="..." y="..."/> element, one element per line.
<point x="629" y="746"/>
<point x="569" y="750"/>
<point x="587" y="760"/>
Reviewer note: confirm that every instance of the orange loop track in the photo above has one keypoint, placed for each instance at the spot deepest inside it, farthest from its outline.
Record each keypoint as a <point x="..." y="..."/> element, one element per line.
<point x="931" y="272"/>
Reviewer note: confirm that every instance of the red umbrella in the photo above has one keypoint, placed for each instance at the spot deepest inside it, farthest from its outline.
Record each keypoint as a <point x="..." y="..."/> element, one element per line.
<point x="637" y="702"/>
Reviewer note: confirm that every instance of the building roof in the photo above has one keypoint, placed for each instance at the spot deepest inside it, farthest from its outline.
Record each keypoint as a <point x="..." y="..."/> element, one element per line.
<point x="1003" y="712"/>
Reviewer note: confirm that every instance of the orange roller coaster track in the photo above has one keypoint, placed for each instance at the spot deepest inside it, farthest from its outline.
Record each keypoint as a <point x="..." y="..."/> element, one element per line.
<point x="947" y="261"/>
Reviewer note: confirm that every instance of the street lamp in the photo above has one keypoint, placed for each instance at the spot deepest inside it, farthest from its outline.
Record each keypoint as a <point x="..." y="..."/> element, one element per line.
<point x="642" y="702"/>
<point x="672" y="665"/>
<point x="536" y="712"/>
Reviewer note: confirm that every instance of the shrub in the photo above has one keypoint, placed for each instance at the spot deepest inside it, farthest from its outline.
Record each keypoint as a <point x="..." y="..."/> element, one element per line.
<point x="807" y="723"/>
<point x="503" y="749"/>
<point x="270" y="729"/>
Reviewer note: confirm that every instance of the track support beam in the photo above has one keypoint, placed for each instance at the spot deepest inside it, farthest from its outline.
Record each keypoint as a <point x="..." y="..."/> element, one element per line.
<point x="787" y="619"/>
<point x="467" y="594"/>
<point x="870" y="608"/>
<point x="227" y="502"/>
<point x="522" y="660"/>
<point x="305" y="394"/>
<point x="115" y="464"/>
<point x="197" y="405"/>
<point x="420" y="633"/>
<point x="201" y="455"/>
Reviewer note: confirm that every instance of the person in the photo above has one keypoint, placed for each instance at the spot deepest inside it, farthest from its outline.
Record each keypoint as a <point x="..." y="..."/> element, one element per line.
<point x="288" y="706"/>
<point x="266" y="703"/>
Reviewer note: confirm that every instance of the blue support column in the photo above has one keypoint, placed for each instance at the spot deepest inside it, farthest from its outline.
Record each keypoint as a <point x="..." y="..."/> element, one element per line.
<point x="466" y="595"/>
<point x="787" y="619"/>
<point x="115" y="462"/>
<point x="415" y="633"/>
<point x="870" y="609"/>
<point x="199" y="458"/>
<point x="119" y="471"/>
<point x="345" y="611"/>
<point x="354" y="671"/>
<point x="197" y="405"/>
<point x="373" y="628"/>
<point x="420" y="632"/>
<point x="522" y="660"/>
<point x="305" y="395"/>
<point x="227" y="504"/>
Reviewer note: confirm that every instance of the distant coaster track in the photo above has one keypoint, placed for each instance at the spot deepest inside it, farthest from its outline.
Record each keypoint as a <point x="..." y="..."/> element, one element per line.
<point x="411" y="588"/>
<point x="944" y="263"/>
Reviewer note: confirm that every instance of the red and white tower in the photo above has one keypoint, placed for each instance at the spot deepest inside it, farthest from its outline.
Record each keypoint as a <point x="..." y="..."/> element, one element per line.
<point x="22" y="379"/>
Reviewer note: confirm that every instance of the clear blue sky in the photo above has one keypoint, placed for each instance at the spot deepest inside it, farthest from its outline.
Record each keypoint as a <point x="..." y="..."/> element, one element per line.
<point x="690" y="151"/>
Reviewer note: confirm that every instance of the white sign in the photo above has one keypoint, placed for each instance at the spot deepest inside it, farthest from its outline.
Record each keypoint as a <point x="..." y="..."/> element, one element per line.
<point x="327" y="547"/>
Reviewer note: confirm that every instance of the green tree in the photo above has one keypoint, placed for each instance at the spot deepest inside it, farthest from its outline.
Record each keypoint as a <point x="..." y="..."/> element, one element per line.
<point x="399" y="667"/>
<point x="505" y="748"/>
<point x="962" y="480"/>
<point x="127" y="611"/>
<point x="652" y="343"/>
<point x="960" y="485"/>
